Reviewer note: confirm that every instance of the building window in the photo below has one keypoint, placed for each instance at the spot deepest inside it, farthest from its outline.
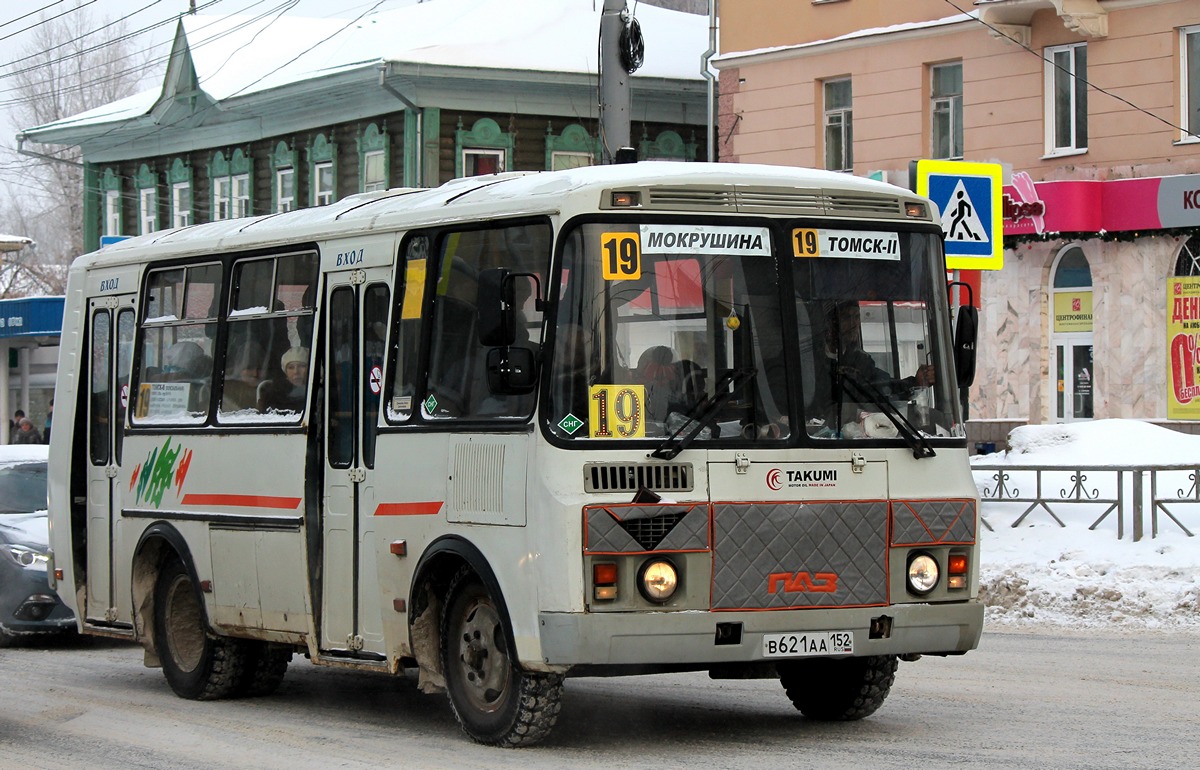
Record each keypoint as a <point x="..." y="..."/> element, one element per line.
<point x="322" y="166"/>
<point x="373" y="159"/>
<point x="485" y="149"/>
<point x="285" y="189"/>
<point x="374" y="176"/>
<point x="946" y="111"/>
<point x="112" y="212"/>
<point x="1190" y="80"/>
<point x="1066" y="98"/>
<point x="479" y="162"/>
<point x="181" y="204"/>
<point x="839" y="133"/>
<point x="179" y="180"/>
<point x="147" y="210"/>
<point x="573" y="148"/>
<point x="147" y="200"/>
<point x="323" y="183"/>
<point x="669" y="145"/>
<point x="230" y="184"/>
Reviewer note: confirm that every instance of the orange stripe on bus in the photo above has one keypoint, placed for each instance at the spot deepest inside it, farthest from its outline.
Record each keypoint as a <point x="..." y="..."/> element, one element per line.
<point x="409" y="509"/>
<point x="243" y="501"/>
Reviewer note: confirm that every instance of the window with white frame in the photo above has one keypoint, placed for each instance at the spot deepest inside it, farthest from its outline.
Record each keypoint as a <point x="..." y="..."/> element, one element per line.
<point x="1189" y="58"/>
<point x="1066" y="99"/>
<point x="147" y="210"/>
<point x="946" y="107"/>
<point x="112" y="212"/>
<point x="478" y="162"/>
<point x="839" y="133"/>
<point x="222" y="198"/>
<point x="374" y="171"/>
<point x="241" y="195"/>
<point x="285" y="189"/>
<point x="323" y="183"/>
<point x="564" y="160"/>
<point x="181" y="204"/>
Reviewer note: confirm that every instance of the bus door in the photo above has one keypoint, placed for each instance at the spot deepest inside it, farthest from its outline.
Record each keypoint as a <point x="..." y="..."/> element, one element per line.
<point x="111" y="325"/>
<point x="356" y="322"/>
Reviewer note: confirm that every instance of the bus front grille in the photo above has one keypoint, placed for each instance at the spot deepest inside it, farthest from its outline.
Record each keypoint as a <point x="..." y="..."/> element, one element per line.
<point x="630" y="477"/>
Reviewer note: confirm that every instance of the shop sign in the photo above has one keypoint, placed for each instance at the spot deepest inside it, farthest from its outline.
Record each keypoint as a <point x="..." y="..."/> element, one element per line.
<point x="1183" y="340"/>
<point x="1072" y="312"/>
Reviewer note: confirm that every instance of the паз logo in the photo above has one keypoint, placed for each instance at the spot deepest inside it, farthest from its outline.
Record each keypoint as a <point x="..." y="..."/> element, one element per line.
<point x="802" y="582"/>
<point x="775" y="479"/>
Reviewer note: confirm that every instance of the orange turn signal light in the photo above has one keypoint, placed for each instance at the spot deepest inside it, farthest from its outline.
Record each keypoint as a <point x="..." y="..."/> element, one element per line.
<point x="604" y="574"/>
<point x="957" y="564"/>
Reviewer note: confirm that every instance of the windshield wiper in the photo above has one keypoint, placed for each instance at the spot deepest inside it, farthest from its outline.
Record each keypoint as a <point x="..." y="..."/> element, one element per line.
<point x="912" y="436"/>
<point x="706" y="408"/>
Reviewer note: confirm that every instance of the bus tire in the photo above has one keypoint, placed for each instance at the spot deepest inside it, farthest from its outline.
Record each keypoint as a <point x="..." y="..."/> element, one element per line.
<point x="494" y="701"/>
<point x="838" y="689"/>
<point x="198" y="664"/>
<point x="264" y="669"/>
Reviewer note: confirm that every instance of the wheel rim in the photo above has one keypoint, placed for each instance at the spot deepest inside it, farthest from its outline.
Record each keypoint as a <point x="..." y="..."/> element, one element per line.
<point x="185" y="633"/>
<point x="482" y="660"/>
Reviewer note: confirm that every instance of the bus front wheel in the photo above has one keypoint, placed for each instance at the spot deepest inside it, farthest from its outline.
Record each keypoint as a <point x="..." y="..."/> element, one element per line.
<point x="839" y="689"/>
<point x="198" y="664"/>
<point x="496" y="702"/>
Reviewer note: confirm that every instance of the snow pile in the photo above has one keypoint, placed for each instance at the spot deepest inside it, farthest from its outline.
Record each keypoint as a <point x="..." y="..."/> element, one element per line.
<point x="1042" y="574"/>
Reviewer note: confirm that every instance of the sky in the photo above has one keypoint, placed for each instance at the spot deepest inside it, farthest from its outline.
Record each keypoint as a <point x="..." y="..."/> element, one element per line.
<point x="1042" y="575"/>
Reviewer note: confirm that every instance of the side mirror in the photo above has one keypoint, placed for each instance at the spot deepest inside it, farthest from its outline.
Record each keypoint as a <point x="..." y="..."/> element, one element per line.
<point x="966" y="334"/>
<point x="511" y="371"/>
<point x="495" y="308"/>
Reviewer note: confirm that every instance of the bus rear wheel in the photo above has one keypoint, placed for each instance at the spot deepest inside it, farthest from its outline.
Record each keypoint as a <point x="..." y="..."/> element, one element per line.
<point x="839" y="689"/>
<point x="198" y="664"/>
<point x="264" y="669"/>
<point x="496" y="702"/>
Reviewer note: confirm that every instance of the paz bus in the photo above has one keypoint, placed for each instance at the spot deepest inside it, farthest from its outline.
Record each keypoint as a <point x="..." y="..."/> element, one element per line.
<point x="520" y="428"/>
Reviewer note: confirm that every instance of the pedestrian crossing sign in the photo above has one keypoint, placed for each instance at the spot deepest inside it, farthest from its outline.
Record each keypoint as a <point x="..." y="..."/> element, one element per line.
<point x="968" y="197"/>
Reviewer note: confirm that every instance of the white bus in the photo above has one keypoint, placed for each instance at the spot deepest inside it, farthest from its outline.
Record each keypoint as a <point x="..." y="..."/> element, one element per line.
<point x="519" y="428"/>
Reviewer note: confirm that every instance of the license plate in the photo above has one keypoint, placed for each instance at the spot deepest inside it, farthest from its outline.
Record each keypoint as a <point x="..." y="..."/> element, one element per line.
<point x="797" y="645"/>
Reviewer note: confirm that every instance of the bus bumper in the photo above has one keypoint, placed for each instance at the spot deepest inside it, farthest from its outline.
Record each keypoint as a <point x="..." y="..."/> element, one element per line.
<point x="691" y="637"/>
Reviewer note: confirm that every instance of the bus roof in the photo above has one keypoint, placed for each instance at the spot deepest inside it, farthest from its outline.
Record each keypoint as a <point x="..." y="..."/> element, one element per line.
<point x="731" y="188"/>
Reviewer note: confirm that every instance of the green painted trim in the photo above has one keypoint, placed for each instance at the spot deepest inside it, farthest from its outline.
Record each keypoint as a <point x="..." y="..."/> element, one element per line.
<point x="145" y="178"/>
<point x="431" y="133"/>
<point x="669" y="144"/>
<point x="484" y="135"/>
<point x="179" y="172"/>
<point x="410" y="149"/>
<point x="91" y="208"/>
<point x="373" y="140"/>
<point x="574" y="138"/>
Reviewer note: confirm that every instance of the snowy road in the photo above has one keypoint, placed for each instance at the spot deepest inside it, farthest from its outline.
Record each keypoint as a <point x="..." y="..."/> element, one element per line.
<point x="1023" y="700"/>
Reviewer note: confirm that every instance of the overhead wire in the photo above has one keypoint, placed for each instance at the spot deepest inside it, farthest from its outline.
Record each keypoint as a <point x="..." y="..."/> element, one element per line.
<point x="1100" y="89"/>
<point x="30" y="13"/>
<point x="142" y="66"/>
<point x="73" y="9"/>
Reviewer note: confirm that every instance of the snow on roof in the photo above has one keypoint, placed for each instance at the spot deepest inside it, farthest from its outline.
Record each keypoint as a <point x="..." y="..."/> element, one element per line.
<point x="910" y="26"/>
<point x="239" y="55"/>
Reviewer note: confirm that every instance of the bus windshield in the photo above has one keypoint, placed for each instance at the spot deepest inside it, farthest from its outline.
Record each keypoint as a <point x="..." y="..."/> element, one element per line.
<point x="724" y="334"/>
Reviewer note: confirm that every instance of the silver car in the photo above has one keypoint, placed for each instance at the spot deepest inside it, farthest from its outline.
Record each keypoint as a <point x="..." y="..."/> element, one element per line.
<point x="27" y="605"/>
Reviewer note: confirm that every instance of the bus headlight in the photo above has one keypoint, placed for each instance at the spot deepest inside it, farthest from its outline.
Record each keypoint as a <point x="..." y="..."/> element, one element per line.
<point x="922" y="573"/>
<point x="657" y="580"/>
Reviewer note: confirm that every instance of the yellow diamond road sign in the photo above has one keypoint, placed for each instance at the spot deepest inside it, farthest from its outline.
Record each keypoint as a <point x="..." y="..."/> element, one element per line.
<point x="968" y="196"/>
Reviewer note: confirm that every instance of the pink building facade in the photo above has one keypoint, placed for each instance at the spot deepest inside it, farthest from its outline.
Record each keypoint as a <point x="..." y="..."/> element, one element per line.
<point x="1092" y="107"/>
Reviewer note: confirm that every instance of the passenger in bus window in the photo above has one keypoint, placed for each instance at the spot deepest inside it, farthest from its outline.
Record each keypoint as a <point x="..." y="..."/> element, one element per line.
<point x="186" y="360"/>
<point x="244" y="373"/>
<point x="658" y="371"/>
<point x="850" y="368"/>
<point x="290" y="394"/>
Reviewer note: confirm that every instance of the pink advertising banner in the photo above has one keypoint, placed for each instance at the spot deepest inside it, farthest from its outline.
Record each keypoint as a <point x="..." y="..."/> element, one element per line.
<point x="1070" y="206"/>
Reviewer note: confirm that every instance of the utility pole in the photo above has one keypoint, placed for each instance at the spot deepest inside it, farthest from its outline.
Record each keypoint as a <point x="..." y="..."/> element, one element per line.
<point x="614" y="82"/>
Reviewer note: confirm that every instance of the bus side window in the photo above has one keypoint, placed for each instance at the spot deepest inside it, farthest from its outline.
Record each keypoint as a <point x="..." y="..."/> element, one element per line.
<point x="406" y="347"/>
<point x="176" y="344"/>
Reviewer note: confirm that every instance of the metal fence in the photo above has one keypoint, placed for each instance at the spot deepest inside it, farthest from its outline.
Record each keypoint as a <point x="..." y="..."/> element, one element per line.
<point x="1121" y="489"/>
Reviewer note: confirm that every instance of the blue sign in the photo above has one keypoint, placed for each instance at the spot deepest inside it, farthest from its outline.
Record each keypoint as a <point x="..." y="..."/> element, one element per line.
<point x="31" y="317"/>
<point x="968" y="196"/>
